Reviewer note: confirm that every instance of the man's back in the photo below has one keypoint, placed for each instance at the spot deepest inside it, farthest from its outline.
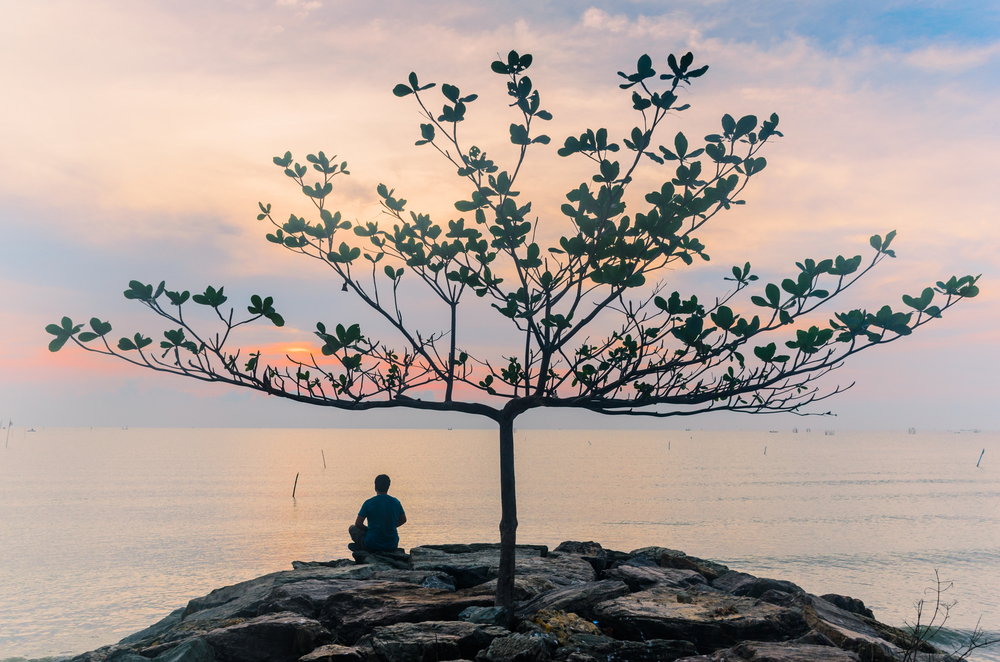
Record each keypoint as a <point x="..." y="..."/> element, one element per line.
<point x="383" y="513"/>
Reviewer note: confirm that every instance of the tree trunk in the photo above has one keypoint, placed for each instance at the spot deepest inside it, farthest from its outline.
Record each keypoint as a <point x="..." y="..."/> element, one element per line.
<point x="508" y="517"/>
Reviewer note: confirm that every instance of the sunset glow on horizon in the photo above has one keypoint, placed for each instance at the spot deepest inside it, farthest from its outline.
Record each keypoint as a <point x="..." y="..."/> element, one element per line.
<point x="138" y="140"/>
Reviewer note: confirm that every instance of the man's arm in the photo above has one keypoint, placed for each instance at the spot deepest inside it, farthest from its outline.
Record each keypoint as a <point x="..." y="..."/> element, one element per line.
<point x="402" y="520"/>
<point x="360" y="521"/>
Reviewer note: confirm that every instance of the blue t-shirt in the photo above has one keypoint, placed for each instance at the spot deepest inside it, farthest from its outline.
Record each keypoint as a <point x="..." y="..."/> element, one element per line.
<point x="383" y="512"/>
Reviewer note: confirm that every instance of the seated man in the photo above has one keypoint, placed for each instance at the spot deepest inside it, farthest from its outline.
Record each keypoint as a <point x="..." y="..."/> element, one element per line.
<point x="384" y="514"/>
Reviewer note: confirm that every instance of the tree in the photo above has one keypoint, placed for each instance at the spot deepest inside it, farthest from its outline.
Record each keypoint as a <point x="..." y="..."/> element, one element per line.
<point x="594" y="330"/>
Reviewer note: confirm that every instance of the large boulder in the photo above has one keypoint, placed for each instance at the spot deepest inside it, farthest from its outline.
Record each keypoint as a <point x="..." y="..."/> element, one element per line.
<point x="740" y="583"/>
<point x="563" y="570"/>
<point x="396" y="558"/>
<point x="577" y="598"/>
<point x="710" y="570"/>
<point x="674" y="558"/>
<point x="641" y="577"/>
<point x="847" y="603"/>
<point x="589" y="551"/>
<point x="474" y="568"/>
<point x="515" y="648"/>
<point x="708" y="619"/>
<point x="243" y="599"/>
<point x="654" y="553"/>
<point x="156" y="630"/>
<point x="525" y="587"/>
<point x="846" y="630"/>
<point x="280" y="637"/>
<point x="334" y="653"/>
<point x="485" y="615"/>
<point x="606" y="648"/>
<point x="192" y="650"/>
<point x="539" y="550"/>
<point x="468" y="568"/>
<point x="759" y="651"/>
<point x="359" y="610"/>
<point x="589" y="548"/>
<point x="336" y="563"/>
<point x="432" y="641"/>
<point x="423" y="577"/>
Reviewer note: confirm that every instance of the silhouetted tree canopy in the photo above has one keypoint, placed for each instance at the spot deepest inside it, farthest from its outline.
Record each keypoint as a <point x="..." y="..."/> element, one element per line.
<point x="590" y="323"/>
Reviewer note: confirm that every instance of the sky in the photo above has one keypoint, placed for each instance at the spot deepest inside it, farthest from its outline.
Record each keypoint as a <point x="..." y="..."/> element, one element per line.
<point x="136" y="141"/>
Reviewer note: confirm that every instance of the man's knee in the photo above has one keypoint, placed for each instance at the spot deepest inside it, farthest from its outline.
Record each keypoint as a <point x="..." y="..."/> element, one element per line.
<point x="358" y="534"/>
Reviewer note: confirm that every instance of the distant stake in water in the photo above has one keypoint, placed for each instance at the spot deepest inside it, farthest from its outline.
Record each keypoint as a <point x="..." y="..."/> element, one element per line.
<point x="324" y="458"/>
<point x="981" y="457"/>
<point x="765" y="450"/>
<point x="295" y="485"/>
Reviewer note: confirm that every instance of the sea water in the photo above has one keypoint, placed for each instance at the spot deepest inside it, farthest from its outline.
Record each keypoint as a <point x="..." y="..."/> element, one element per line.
<point x="105" y="531"/>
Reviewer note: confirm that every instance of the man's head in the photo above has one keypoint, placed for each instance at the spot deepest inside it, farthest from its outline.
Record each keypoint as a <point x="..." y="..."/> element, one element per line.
<point x="382" y="484"/>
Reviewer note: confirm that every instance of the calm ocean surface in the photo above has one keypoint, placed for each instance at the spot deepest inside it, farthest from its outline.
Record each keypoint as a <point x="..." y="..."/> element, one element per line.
<point x="105" y="531"/>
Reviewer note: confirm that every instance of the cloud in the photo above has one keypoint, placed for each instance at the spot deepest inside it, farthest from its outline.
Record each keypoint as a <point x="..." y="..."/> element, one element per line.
<point x="953" y="59"/>
<point x="145" y="133"/>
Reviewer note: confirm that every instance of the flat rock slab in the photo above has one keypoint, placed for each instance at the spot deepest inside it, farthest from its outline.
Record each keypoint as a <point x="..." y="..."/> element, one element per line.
<point x="846" y="630"/>
<point x="432" y="641"/>
<point x="306" y="597"/>
<point x="710" y="570"/>
<point x="281" y="637"/>
<point x="394" y="559"/>
<point x="640" y="578"/>
<point x="357" y="611"/>
<point x="709" y="620"/>
<point x="579" y="599"/>
<point x="515" y="648"/>
<point x="155" y="630"/>
<point x="193" y="650"/>
<point x="336" y="563"/>
<point x="244" y="599"/>
<point x="478" y="567"/>
<point x="526" y="587"/>
<point x="653" y="650"/>
<point x="465" y="548"/>
<point x="564" y="570"/>
<point x="334" y="653"/>
<point x="740" y="583"/>
<point x="756" y="651"/>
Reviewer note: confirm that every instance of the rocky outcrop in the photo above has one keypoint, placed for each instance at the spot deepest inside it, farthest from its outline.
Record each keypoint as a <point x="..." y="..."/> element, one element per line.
<point x="280" y="637"/>
<point x="334" y="653"/>
<point x="777" y="652"/>
<point x="433" y="641"/>
<point x="641" y="577"/>
<point x="525" y="587"/>
<point x="358" y="611"/>
<point x="578" y="603"/>
<point x="707" y="619"/>
<point x="514" y="648"/>
<point x="577" y="598"/>
<point x="847" y="603"/>
<point x="478" y="566"/>
<point x="740" y="583"/>
<point x="594" y="649"/>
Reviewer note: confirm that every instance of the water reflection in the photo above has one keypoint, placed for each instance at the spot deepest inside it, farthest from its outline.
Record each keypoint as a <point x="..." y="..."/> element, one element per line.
<point x="107" y="530"/>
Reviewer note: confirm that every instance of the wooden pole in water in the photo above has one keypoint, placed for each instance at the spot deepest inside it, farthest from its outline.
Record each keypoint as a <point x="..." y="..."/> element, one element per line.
<point x="981" y="457"/>
<point x="324" y="457"/>
<point x="11" y="421"/>
<point x="295" y="485"/>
